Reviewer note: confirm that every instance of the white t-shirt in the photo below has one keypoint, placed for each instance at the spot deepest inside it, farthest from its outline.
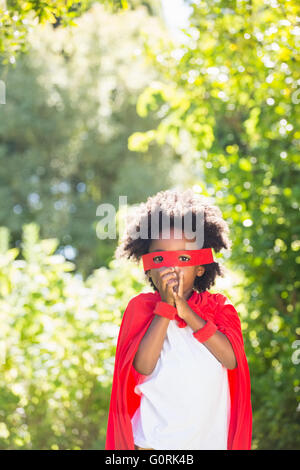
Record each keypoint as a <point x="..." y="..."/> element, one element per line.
<point x="185" y="402"/>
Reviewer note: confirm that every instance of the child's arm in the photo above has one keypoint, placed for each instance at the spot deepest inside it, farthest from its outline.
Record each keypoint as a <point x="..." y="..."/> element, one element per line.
<point x="218" y="344"/>
<point x="152" y="342"/>
<point x="150" y="346"/>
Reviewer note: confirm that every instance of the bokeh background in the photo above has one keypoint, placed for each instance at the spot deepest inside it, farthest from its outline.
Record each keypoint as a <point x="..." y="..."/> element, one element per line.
<point x="109" y="98"/>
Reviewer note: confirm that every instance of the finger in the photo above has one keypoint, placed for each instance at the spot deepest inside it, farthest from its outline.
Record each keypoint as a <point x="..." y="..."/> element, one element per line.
<point x="180" y="288"/>
<point x="160" y="273"/>
<point x="175" y="286"/>
<point x="172" y="283"/>
<point x="174" y="290"/>
<point x="162" y="279"/>
<point x="168" y="277"/>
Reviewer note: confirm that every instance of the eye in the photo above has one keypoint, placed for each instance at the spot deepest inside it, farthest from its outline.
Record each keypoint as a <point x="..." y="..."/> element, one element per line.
<point x="186" y="257"/>
<point x="155" y="259"/>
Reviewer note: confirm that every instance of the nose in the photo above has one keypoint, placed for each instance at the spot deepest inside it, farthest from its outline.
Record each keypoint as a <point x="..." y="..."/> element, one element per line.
<point x="172" y="268"/>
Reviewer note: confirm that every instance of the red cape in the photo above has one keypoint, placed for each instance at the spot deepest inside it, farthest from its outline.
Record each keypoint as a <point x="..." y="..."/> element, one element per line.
<point x="124" y="401"/>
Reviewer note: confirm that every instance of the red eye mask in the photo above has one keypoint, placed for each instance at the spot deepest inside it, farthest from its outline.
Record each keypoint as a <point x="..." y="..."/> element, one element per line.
<point x="172" y="258"/>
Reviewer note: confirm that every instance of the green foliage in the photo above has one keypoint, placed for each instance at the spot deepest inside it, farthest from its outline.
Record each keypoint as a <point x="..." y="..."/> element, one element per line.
<point x="64" y="131"/>
<point x="226" y="102"/>
<point x="57" y="345"/>
<point x="17" y="17"/>
<point x="231" y="91"/>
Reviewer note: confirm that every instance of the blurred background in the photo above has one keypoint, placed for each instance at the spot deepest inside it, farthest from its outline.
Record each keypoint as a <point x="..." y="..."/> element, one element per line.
<point x="104" y="99"/>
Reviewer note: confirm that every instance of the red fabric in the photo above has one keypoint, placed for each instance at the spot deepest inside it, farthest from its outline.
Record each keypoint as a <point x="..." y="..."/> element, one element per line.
<point x="171" y="258"/>
<point x="165" y="310"/>
<point x="204" y="333"/>
<point x="136" y="320"/>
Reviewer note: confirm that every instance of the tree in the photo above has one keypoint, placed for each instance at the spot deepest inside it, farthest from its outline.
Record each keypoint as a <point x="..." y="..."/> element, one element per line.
<point x="65" y="126"/>
<point x="17" y="17"/>
<point x="57" y="345"/>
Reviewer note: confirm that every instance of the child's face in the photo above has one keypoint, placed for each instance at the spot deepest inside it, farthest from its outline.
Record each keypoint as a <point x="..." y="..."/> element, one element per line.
<point x="173" y="244"/>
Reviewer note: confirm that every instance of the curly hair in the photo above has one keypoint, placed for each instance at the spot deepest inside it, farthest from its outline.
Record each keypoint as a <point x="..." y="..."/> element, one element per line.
<point x="175" y="204"/>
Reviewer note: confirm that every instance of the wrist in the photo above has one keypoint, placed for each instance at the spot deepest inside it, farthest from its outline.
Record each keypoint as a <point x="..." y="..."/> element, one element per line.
<point x="205" y="332"/>
<point x="169" y="302"/>
<point x="182" y="308"/>
<point x="190" y="317"/>
<point x="165" y="310"/>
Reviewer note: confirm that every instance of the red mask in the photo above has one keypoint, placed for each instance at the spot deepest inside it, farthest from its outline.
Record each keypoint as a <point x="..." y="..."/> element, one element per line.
<point x="172" y="258"/>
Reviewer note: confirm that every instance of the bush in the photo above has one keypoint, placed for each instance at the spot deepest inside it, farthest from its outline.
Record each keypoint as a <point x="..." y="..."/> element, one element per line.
<point x="57" y="345"/>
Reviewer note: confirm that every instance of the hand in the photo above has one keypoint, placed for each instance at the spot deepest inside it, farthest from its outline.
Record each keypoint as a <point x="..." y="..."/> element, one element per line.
<point x="166" y="280"/>
<point x="178" y="296"/>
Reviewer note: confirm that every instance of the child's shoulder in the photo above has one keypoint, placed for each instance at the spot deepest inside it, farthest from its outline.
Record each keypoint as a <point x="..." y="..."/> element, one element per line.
<point x="141" y="304"/>
<point x="144" y="297"/>
<point x="219" y="298"/>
